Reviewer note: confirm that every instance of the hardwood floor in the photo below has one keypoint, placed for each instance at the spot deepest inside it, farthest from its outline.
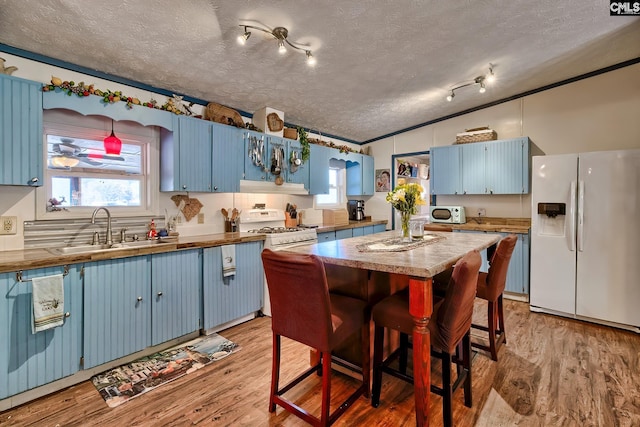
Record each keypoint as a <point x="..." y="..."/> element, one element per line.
<point x="552" y="372"/>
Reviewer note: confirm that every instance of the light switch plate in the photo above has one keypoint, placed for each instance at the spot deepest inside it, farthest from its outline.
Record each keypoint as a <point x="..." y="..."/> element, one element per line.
<point x="8" y="224"/>
<point x="200" y="218"/>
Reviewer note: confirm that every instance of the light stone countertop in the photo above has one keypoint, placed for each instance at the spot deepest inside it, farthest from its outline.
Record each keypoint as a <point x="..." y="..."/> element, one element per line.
<point x="25" y="259"/>
<point x="424" y="261"/>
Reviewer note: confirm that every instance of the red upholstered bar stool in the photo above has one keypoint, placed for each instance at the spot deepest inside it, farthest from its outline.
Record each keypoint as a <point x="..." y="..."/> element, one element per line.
<point x="491" y="288"/>
<point x="303" y="310"/>
<point x="449" y="327"/>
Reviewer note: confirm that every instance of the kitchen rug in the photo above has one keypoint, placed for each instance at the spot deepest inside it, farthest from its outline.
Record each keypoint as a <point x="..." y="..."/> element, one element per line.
<point x="133" y="379"/>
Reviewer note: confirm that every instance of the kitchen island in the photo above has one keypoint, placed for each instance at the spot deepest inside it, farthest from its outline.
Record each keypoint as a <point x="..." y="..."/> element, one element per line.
<point x="419" y="265"/>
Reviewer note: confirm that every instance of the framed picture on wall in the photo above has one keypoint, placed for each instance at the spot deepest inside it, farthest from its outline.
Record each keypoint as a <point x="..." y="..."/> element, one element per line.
<point x="383" y="180"/>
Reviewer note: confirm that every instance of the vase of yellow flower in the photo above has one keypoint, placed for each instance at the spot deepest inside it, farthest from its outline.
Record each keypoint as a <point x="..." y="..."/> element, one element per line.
<point x="406" y="198"/>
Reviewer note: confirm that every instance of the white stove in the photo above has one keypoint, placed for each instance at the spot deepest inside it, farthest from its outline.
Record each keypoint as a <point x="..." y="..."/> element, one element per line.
<point x="278" y="237"/>
<point x="271" y="222"/>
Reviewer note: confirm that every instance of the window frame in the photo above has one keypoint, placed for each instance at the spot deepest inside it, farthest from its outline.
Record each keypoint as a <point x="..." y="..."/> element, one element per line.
<point x="341" y="190"/>
<point x="149" y="177"/>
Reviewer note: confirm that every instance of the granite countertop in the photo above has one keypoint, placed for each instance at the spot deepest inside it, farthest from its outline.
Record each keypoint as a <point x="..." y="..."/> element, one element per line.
<point x="25" y="259"/>
<point x="490" y="224"/>
<point x="352" y="224"/>
<point x="422" y="261"/>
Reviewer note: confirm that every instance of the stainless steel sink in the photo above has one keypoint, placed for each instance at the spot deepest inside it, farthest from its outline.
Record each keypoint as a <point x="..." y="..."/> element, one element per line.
<point x="86" y="249"/>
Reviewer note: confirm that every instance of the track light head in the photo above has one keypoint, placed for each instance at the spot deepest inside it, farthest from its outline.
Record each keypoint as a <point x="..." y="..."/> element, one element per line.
<point x="483" y="89"/>
<point x="242" y="39"/>
<point x="311" y="60"/>
<point x="451" y="96"/>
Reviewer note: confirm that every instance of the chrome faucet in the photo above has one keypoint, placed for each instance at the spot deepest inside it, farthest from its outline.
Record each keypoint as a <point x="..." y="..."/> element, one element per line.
<point x="108" y="238"/>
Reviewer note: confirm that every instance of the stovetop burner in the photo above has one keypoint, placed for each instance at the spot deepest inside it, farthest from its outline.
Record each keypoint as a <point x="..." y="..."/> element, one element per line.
<point x="275" y="230"/>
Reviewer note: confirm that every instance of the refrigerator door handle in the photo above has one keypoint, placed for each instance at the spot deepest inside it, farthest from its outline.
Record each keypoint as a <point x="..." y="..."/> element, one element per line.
<point x="572" y="217"/>
<point x="580" y="215"/>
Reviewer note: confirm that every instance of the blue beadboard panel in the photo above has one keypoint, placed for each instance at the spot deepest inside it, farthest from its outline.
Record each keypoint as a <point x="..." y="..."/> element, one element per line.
<point x="228" y="158"/>
<point x="232" y="297"/>
<point x="301" y="175"/>
<point x="30" y="360"/>
<point x="20" y="131"/>
<point x="474" y="167"/>
<point x="446" y="173"/>
<point x="379" y="228"/>
<point x="368" y="175"/>
<point x="318" y="167"/>
<point x="344" y="234"/>
<point x="115" y="322"/>
<point x="93" y="105"/>
<point x="357" y="232"/>
<point x="195" y="154"/>
<point x="505" y="166"/>
<point x="176" y="279"/>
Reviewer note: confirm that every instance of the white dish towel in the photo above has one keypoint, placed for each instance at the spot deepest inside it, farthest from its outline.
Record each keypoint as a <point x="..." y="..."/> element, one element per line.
<point x="48" y="302"/>
<point x="228" y="260"/>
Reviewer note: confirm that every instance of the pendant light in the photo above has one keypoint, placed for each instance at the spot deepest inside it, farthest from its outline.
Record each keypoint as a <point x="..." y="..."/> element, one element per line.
<point x="112" y="144"/>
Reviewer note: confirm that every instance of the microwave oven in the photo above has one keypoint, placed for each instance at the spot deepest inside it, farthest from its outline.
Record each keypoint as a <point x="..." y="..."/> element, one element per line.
<point x="448" y="214"/>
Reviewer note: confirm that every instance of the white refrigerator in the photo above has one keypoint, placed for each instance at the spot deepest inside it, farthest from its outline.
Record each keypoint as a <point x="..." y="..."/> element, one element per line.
<point x="585" y="236"/>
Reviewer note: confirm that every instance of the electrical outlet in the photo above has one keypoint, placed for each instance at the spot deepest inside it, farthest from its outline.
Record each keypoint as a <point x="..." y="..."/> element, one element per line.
<point x="482" y="212"/>
<point x="8" y="224"/>
<point x="200" y="218"/>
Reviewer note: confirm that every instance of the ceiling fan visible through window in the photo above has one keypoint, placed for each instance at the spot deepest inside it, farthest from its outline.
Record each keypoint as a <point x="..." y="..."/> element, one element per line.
<point x="66" y="153"/>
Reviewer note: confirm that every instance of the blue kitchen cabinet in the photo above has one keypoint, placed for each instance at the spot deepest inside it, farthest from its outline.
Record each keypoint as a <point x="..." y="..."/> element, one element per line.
<point x="446" y="174"/>
<point x="117" y="308"/>
<point x="318" y="169"/>
<point x="256" y="156"/>
<point x="379" y="228"/>
<point x="360" y="175"/>
<point x="228" y="158"/>
<point x="20" y="131"/>
<point x="185" y="156"/>
<point x="359" y="231"/>
<point x="474" y="168"/>
<point x="354" y="174"/>
<point x="299" y="175"/>
<point x="508" y="163"/>
<point x="327" y="236"/>
<point x="31" y="360"/>
<point x="228" y="298"/>
<point x="176" y="279"/>
<point x="493" y="167"/>
<point x="518" y="272"/>
<point x="344" y="234"/>
<point x="368" y="176"/>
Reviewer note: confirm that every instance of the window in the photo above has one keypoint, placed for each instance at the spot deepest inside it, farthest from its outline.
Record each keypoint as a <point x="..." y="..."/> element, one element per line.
<point x="79" y="176"/>
<point x="337" y="196"/>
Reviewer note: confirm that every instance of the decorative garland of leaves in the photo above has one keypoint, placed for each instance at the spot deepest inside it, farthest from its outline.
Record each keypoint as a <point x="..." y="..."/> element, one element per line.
<point x="108" y="97"/>
<point x="304" y="141"/>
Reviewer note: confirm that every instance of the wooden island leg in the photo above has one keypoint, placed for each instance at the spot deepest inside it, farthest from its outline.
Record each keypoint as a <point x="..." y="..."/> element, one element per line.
<point x="421" y="307"/>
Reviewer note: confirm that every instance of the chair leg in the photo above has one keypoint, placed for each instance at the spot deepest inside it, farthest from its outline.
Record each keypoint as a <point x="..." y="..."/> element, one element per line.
<point x="447" y="392"/>
<point x="378" y="343"/>
<point x="466" y="363"/>
<point x="366" y="359"/>
<point x="501" y="319"/>
<point x="275" y="372"/>
<point x="492" y="314"/>
<point x="326" y="388"/>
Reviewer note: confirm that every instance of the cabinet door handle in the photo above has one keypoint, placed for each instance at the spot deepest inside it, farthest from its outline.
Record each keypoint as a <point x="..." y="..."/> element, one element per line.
<point x="215" y="188"/>
<point x="160" y="294"/>
<point x="139" y="299"/>
<point x="33" y="180"/>
<point x="184" y="186"/>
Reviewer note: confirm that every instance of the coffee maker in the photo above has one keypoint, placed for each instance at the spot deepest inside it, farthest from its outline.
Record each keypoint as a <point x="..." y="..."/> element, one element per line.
<point x="356" y="210"/>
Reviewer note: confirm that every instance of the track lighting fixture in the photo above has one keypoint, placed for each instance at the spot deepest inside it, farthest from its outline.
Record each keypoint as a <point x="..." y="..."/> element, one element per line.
<point x="480" y="80"/>
<point x="280" y="34"/>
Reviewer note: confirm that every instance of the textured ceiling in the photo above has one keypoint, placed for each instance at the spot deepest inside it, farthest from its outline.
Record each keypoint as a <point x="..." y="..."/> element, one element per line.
<point x="382" y="66"/>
